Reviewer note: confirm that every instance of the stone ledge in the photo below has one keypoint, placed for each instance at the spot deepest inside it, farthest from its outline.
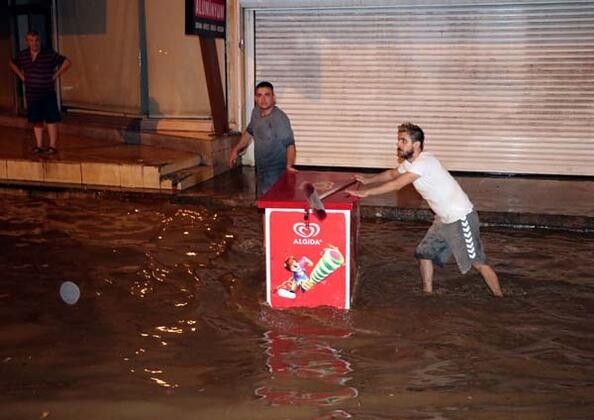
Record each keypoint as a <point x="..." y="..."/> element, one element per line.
<point x="80" y="174"/>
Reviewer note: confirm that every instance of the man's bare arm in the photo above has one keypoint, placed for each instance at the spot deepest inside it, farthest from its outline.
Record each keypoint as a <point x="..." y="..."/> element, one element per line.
<point x="291" y="156"/>
<point x="17" y="70"/>
<point x="385" y="176"/>
<point x="62" y="69"/>
<point x="244" y="141"/>
<point x="392" y="185"/>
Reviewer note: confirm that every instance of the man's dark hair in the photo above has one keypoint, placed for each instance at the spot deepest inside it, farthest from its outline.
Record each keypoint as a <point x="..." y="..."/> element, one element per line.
<point x="33" y="32"/>
<point x="265" y="84"/>
<point x="414" y="132"/>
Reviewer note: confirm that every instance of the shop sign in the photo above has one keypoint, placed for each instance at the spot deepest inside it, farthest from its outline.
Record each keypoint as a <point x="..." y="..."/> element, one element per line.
<point x="205" y="18"/>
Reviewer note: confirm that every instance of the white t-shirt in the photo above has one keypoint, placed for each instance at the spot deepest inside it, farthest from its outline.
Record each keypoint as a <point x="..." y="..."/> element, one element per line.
<point x="435" y="184"/>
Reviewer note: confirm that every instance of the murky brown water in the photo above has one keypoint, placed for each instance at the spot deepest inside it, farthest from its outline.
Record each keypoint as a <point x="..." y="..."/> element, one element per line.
<point x="172" y="323"/>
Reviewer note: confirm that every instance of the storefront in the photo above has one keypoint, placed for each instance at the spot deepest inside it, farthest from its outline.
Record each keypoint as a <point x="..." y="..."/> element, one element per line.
<point x="129" y="57"/>
<point x="16" y="19"/>
<point x="497" y="87"/>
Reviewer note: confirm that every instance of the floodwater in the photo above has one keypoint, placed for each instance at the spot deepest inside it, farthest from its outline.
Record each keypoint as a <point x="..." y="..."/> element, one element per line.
<point x="172" y="323"/>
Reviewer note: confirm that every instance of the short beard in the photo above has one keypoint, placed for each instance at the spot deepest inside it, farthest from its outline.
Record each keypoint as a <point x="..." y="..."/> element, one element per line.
<point x="405" y="155"/>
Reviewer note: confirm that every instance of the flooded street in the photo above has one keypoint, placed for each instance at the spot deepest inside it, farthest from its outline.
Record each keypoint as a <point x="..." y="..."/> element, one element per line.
<point x="172" y="322"/>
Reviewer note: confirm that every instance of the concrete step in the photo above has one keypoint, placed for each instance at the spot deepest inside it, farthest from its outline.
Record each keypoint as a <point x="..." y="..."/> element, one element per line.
<point x="101" y="174"/>
<point x="180" y="164"/>
<point x="160" y="163"/>
<point x="177" y="125"/>
<point x="187" y="178"/>
<point x="154" y="175"/>
<point x="83" y="174"/>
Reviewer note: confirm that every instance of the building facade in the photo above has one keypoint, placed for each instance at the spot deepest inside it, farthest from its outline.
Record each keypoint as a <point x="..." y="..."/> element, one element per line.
<point x="129" y="57"/>
<point x="498" y="87"/>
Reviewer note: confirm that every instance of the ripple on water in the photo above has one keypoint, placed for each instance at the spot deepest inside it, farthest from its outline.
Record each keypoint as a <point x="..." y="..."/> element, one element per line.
<point x="172" y="305"/>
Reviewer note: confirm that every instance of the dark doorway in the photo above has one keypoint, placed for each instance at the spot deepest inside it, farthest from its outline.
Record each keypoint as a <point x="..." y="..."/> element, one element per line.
<point x="23" y="16"/>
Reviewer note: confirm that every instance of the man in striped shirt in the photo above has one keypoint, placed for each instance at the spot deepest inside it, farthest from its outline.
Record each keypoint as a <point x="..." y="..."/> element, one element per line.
<point x="39" y="68"/>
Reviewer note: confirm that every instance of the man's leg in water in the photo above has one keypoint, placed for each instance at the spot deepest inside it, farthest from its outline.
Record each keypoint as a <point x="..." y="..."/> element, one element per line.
<point x="426" y="268"/>
<point x="490" y="278"/>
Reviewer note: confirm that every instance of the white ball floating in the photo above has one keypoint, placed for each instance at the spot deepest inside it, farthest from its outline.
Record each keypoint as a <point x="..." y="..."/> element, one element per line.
<point x="69" y="292"/>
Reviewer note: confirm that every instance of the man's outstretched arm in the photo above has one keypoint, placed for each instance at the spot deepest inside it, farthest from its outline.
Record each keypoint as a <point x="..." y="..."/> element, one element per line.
<point x="385" y="176"/>
<point x="392" y="185"/>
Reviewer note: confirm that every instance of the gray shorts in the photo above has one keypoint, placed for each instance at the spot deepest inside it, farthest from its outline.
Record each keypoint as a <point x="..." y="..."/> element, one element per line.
<point x="461" y="238"/>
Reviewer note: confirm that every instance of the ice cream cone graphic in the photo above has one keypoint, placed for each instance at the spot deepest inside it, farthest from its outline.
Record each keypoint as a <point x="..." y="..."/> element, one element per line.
<point x="330" y="261"/>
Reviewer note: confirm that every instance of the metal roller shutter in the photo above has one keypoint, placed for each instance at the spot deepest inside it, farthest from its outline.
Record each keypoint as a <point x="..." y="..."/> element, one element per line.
<point x="496" y="87"/>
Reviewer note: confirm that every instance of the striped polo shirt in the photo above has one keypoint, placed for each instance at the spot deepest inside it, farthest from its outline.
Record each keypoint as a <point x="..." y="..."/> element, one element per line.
<point x="38" y="72"/>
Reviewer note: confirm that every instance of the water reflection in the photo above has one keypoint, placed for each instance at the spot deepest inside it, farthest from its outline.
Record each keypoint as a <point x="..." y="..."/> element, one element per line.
<point x="161" y="382"/>
<point x="170" y="330"/>
<point x="304" y="370"/>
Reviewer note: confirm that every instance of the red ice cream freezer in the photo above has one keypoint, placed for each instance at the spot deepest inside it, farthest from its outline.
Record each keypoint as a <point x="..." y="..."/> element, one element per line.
<point x="310" y="259"/>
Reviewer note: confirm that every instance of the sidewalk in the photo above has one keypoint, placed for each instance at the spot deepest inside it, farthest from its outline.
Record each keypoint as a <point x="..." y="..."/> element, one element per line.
<point x="113" y="153"/>
<point x="559" y="203"/>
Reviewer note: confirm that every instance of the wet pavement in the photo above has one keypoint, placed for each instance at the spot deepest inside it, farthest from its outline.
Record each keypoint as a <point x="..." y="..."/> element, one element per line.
<point x="172" y="322"/>
<point x="17" y="143"/>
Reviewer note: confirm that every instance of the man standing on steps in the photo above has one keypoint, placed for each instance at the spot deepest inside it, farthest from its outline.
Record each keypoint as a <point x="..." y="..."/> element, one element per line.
<point x="39" y="68"/>
<point x="456" y="226"/>
<point x="273" y="139"/>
